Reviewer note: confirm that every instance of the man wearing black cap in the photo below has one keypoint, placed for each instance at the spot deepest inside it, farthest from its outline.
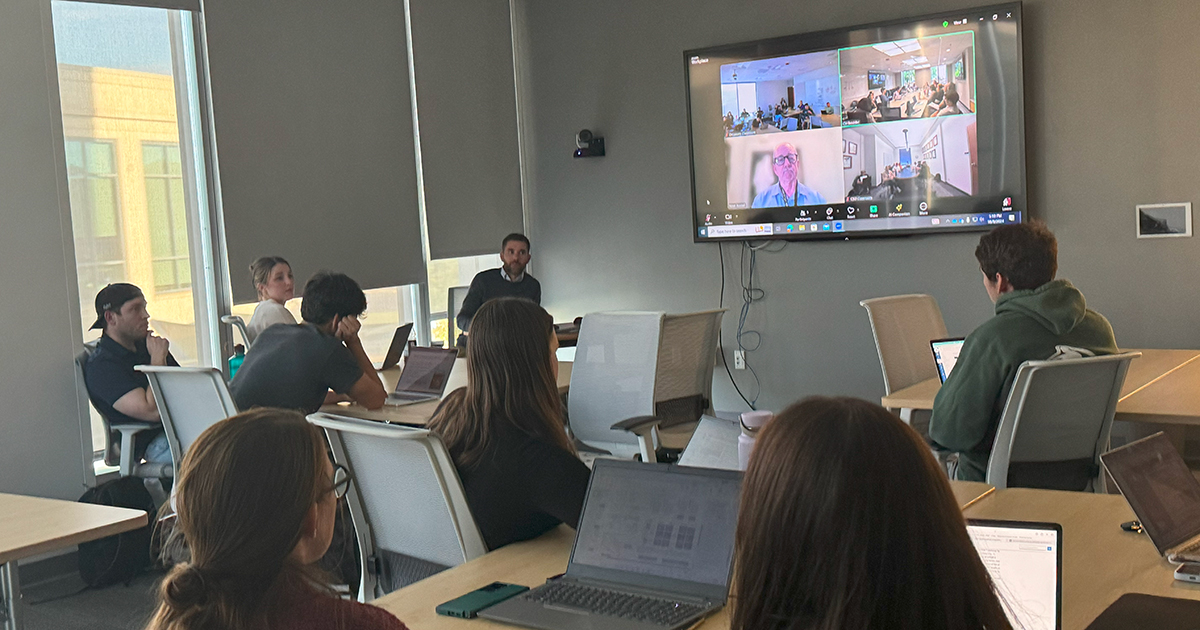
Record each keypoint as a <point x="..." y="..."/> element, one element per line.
<point x="119" y="392"/>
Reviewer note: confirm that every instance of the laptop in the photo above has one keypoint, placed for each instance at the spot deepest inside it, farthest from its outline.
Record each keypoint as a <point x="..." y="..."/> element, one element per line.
<point x="426" y="372"/>
<point x="1024" y="560"/>
<point x="654" y="550"/>
<point x="396" y="350"/>
<point x="945" y="355"/>
<point x="1162" y="492"/>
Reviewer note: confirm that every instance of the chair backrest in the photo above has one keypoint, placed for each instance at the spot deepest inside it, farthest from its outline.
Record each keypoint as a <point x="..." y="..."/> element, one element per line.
<point x="189" y="399"/>
<point x="1059" y="411"/>
<point x="903" y="326"/>
<point x="687" y="351"/>
<point x="110" y="452"/>
<point x="406" y="497"/>
<point x="613" y="377"/>
<point x="455" y="297"/>
<point x="240" y="324"/>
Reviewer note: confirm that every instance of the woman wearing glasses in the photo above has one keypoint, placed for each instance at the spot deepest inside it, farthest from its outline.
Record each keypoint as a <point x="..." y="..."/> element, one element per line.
<point x="256" y="499"/>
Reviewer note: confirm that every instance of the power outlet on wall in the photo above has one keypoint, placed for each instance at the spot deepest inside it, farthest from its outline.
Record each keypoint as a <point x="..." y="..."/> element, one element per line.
<point x="739" y="359"/>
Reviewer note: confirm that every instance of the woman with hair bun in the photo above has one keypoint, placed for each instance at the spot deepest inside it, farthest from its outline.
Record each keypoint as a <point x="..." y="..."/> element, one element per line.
<point x="273" y="280"/>
<point x="256" y="500"/>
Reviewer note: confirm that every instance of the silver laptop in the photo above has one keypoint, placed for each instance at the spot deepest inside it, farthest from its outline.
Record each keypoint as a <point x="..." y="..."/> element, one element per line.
<point x="1162" y="492"/>
<point x="654" y="550"/>
<point x="945" y="355"/>
<point x="1024" y="561"/>
<point x="426" y="372"/>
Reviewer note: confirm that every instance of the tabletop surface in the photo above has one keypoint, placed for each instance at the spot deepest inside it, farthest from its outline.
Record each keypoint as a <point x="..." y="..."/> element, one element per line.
<point x="1146" y="384"/>
<point x="529" y="563"/>
<point x="1101" y="561"/>
<point x="419" y="414"/>
<point x="33" y="525"/>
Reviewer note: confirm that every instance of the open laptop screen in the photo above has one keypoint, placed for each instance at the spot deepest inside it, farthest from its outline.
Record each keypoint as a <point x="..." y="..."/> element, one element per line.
<point x="945" y="354"/>
<point x="1025" y="562"/>
<point x="1159" y="487"/>
<point x="426" y="370"/>
<point x="659" y="520"/>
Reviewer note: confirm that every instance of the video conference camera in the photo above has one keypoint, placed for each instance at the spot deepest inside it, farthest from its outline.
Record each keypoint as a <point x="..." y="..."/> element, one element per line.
<point x="589" y="144"/>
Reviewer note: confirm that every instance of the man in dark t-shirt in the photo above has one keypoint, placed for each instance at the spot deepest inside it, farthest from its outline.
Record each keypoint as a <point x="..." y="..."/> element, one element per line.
<point x="510" y="280"/>
<point x="120" y="393"/>
<point x="295" y="366"/>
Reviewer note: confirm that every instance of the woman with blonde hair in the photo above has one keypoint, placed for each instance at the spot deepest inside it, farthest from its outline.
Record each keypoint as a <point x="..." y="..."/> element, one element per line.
<point x="505" y="429"/>
<point x="255" y="503"/>
<point x="273" y="280"/>
<point x="848" y="523"/>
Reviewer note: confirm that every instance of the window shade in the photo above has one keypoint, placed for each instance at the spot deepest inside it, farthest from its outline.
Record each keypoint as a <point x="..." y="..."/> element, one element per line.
<point x="466" y="105"/>
<point x="313" y="127"/>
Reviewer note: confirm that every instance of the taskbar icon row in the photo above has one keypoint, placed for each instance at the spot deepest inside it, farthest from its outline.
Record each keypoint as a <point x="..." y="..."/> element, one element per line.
<point x="799" y="228"/>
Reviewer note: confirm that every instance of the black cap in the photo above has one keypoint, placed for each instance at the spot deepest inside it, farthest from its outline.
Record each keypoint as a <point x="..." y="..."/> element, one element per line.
<point x="112" y="298"/>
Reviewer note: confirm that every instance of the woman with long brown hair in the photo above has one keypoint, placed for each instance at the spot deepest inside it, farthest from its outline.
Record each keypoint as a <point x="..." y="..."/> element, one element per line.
<point x="255" y="505"/>
<point x="848" y="523"/>
<point x="505" y="429"/>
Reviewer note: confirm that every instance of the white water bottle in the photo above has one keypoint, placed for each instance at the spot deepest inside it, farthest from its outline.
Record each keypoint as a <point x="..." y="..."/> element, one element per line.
<point x="751" y="422"/>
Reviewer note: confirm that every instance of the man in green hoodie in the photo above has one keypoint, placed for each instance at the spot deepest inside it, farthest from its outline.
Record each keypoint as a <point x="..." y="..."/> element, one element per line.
<point x="1034" y="313"/>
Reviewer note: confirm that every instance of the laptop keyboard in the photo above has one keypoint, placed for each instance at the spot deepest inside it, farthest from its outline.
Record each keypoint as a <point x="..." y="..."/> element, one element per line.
<point x="663" y="612"/>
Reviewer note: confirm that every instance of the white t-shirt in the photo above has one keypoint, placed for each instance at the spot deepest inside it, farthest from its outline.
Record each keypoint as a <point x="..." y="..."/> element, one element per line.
<point x="266" y="314"/>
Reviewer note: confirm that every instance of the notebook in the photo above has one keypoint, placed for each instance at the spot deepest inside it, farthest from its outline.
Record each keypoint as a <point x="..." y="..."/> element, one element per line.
<point x="945" y="355"/>
<point x="426" y="372"/>
<point x="1162" y="492"/>
<point x="654" y="550"/>
<point x="1024" y="560"/>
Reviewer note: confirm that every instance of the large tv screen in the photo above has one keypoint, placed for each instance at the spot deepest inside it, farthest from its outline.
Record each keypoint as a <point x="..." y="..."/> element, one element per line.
<point x="907" y="127"/>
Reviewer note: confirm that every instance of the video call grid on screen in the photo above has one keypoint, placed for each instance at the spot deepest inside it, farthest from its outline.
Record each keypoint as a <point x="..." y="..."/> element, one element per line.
<point x="898" y="123"/>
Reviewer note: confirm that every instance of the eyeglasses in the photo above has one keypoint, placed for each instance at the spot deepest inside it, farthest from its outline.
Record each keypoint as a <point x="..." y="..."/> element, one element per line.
<point x="789" y="158"/>
<point x="341" y="480"/>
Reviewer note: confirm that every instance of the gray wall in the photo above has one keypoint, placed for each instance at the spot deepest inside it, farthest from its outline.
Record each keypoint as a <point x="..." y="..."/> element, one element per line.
<point x="1110" y="94"/>
<point x="41" y="445"/>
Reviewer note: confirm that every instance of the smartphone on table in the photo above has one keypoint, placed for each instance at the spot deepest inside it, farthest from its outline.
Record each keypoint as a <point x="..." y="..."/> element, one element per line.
<point x="1188" y="572"/>
<point x="469" y="605"/>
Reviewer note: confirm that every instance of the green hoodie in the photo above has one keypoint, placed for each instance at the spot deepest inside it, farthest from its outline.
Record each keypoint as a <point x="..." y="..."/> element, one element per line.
<point x="1027" y="326"/>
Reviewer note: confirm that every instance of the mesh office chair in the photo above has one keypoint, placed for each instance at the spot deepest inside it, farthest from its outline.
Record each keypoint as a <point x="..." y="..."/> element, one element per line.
<point x="455" y="297"/>
<point x="1057" y="421"/>
<point x="903" y="326"/>
<point x="406" y="499"/>
<point x="120" y="438"/>
<point x="189" y="399"/>
<point x="687" y="351"/>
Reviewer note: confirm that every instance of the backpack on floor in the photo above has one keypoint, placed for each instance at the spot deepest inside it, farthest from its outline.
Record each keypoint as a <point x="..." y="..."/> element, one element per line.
<point x="121" y="557"/>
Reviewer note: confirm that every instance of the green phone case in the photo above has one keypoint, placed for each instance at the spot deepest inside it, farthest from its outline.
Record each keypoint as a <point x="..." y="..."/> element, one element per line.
<point x="469" y="605"/>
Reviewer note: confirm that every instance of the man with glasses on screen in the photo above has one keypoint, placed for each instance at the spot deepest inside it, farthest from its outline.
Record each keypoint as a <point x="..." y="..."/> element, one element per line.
<point x="788" y="190"/>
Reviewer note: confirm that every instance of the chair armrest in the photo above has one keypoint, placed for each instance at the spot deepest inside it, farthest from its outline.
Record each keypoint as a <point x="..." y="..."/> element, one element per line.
<point x="637" y="424"/>
<point x="133" y="429"/>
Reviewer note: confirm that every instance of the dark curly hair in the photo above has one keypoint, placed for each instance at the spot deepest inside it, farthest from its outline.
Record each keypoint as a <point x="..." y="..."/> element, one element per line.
<point x="328" y="295"/>
<point x="1026" y="254"/>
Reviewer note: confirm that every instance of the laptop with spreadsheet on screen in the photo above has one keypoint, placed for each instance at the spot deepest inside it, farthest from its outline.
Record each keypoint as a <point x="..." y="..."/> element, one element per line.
<point x="654" y="550"/>
<point x="1024" y="561"/>
<point x="945" y="354"/>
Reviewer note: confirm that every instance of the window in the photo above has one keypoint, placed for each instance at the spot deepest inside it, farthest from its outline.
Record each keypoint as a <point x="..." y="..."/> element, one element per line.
<point x="166" y="212"/>
<point x="95" y="213"/>
<point x="446" y="273"/>
<point x="122" y="74"/>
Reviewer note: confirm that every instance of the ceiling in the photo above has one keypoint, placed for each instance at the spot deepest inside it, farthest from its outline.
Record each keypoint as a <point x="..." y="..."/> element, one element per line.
<point x="906" y="54"/>
<point x="780" y="68"/>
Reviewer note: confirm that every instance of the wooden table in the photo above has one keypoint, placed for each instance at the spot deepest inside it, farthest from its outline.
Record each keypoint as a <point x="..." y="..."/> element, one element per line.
<point x="1101" y="562"/>
<point x="530" y="563"/>
<point x="31" y="525"/>
<point x="419" y="414"/>
<point x="1160" y="387"/>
